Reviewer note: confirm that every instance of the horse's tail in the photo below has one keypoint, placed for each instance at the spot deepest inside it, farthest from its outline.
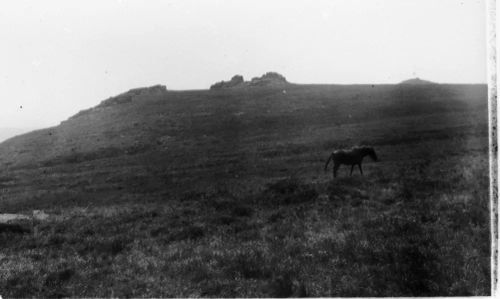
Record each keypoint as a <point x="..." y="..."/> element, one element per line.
<point x="328" y="161"/>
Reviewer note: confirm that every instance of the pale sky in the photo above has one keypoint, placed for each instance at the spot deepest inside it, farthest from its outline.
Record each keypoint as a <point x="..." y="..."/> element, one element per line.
<point x="58" y="57"/>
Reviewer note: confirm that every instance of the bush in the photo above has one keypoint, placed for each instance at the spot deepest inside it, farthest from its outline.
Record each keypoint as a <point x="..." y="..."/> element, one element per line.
<point x="190" y="232"/>
<point x="284" y="285"/>
<point x="224" y="220"/>
<point x="22" y="285"/>
<point x="290" y="191"/>
<point x="249" y="264"/>
<point x="13" y="228"/>
<point x="242" y="211"/>
<point x="105" y="247"/>
<point x="56" y="279"/>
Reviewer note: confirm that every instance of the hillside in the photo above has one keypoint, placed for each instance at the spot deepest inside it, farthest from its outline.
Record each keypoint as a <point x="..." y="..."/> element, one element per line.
<point x="174" y="121"/>
<point x="222" y="193"/>
<point x="6" y="133"/>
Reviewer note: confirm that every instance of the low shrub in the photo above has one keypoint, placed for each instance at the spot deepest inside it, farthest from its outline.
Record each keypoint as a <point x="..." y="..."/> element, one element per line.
<point x="56" y="279"/>
<point x="22" y="285"/>
<point x="190" y="232"/>
<point x="13" y="228"/>
<point x="105" y="246"/>
<point x="242" y="211"/>
<point x="248" y="264"/>
<point x="289" y="191"/>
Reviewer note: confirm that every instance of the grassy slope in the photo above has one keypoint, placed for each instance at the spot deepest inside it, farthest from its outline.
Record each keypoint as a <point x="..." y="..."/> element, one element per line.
<point x="222" y="193"/>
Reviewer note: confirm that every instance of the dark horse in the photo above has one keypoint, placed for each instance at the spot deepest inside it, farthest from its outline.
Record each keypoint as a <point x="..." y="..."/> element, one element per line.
<point x="350" y="157"/>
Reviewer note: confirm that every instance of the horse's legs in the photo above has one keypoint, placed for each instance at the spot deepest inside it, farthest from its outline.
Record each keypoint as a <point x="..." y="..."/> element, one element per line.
<point x="335" y="168"/>
<point x="360" y="169"/>
<point x="352" y="168"/>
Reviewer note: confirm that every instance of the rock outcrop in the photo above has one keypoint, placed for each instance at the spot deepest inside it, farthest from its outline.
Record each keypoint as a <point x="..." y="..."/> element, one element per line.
<point x="236" y="80"/>
<point x="268" y="79"/>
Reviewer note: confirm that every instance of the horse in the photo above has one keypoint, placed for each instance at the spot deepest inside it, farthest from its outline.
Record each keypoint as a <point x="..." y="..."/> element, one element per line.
<point x="353" y="156"/>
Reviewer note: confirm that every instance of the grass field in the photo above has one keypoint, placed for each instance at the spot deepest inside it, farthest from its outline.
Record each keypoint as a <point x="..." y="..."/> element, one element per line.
<point x="223" y="194"/>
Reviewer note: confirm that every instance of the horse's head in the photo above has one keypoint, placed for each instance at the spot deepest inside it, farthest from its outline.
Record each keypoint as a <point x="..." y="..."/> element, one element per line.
<point x="371" y="152"/>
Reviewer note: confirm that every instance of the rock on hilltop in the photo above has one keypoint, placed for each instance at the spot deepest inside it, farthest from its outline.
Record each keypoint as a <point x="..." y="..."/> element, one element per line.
<point x="236" y="80"/>
<point x="268" y="79"/>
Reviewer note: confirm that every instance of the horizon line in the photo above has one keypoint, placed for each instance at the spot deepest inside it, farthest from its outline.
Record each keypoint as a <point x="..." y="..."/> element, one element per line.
<point x="317" y="84"/>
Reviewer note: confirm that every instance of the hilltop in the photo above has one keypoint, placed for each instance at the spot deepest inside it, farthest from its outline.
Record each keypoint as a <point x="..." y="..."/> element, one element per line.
<point x="416" y="81"/>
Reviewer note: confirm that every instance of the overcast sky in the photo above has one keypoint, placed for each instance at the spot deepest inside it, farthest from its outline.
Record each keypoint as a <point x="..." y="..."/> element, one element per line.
<point x="58" y="57"/>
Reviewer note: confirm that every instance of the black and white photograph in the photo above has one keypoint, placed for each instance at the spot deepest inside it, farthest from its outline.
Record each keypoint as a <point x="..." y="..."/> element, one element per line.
<point x="248" y="149"/>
